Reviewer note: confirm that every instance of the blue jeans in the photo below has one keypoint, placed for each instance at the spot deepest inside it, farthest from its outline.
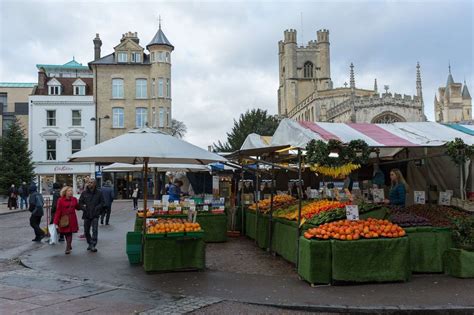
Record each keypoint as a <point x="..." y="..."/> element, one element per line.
<point x="23" y="201"/>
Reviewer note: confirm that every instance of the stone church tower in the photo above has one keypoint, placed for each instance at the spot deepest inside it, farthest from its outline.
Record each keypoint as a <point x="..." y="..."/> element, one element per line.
<point x="306" y="91"/>
<point x="453" y="103"/>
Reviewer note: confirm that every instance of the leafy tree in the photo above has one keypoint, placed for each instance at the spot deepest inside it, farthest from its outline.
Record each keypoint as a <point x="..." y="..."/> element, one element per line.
<point x="15" y="158"/>
<point x="178" y="129"/>
<point x="252" y="121"/>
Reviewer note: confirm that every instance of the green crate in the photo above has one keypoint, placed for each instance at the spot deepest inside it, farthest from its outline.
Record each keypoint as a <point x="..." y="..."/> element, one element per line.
<point x="175" y="234"/>
<point x="134" y="259"/>
<point x="159" y="235"/>
<point x="199" y="234"/>
<point x="134" y="242"/>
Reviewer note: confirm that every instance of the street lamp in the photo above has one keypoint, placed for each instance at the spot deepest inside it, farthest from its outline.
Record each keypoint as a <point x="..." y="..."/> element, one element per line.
<point x="97" y="136"/>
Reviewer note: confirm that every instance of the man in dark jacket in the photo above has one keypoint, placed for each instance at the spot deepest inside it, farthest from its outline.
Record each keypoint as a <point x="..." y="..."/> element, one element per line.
<point x="36" y="208"/>
<point x="91" y="203"/>
<point x="54" y="204"/>
<point x="24" y="193"/>
<point x="108" y="194"/>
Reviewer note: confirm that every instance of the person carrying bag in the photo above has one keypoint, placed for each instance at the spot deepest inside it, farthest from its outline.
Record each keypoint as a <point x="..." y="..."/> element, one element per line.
<point x="36" y="208"/>
<point x="65" y="217"/>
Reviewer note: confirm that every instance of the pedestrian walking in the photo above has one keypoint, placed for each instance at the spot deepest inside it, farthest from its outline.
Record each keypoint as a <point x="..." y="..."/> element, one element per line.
<point x="91" y="203"/>
<point x="108" y="194"/>
<point x="36" y="202"/>
<point x="12" y="197"/>
<point x="65" y="216"/>
<point x="24" y="193"/>
<point x="135" y="197"/>
<point x="54" y="205"/>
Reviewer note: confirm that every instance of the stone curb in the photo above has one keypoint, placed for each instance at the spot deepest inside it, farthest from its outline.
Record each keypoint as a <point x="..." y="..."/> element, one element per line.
<point x="4" y="212"/>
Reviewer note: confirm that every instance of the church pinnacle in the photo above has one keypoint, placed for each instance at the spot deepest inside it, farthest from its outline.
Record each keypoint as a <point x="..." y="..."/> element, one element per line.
<point x="419" y="90"/>
<point x="375" y="86"/>
<point x="352" y="78"/>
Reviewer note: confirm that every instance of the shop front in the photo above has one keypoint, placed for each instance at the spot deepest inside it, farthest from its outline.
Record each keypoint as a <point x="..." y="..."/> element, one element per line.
<point x="65" y="174"/>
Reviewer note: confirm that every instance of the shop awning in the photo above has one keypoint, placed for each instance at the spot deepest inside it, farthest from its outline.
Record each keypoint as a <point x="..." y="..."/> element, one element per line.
<point x="125" y="167"/>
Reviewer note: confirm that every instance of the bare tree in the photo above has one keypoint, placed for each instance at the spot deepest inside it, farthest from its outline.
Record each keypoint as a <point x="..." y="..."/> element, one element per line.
<point x="178" y="129"/>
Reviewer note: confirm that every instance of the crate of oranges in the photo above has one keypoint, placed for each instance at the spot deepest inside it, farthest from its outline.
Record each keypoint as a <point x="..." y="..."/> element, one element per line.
<point x="171" y="227"/>
<point x="347" y="230"/>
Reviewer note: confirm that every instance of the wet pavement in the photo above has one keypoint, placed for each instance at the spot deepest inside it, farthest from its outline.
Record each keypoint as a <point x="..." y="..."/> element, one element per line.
<point x="237" y="271"/>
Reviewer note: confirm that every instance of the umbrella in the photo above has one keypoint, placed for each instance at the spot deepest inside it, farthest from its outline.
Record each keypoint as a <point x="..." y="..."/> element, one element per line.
<point x="125" y="167"/>
<point x="146" y="145"/>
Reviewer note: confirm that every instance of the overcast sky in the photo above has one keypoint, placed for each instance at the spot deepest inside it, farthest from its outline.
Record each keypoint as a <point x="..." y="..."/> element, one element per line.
<point x="226" y="53"/>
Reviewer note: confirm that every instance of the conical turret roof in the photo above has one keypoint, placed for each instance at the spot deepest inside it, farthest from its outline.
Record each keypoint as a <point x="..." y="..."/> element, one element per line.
<point x="465" y="92"/>
<point x="160" y="39"/>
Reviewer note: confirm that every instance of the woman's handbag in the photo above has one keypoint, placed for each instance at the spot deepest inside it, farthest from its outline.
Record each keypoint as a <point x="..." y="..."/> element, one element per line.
<point x="64" y="220"/>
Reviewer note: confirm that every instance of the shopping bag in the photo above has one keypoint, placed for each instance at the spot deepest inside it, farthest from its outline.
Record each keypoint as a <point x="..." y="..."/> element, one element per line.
<point x="54" y="235"/>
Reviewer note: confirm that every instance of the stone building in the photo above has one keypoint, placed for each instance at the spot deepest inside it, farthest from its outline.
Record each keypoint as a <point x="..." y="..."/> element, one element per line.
<point x="62" y="114"/>
<point x="132" y="87"/>
<point x="14" y="104"/>
<point x="306" y="90"/>
<point x="453" y="102"/>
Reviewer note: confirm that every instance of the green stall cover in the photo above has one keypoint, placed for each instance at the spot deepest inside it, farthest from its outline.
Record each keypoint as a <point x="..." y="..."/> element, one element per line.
<point x="459" y="263"/>
<point x="284" y="239"/>
<point x="174" y="253"/>
<point x="427" y="247"/>
<point x="371" y="260"/>
<point x="315" y="261"/>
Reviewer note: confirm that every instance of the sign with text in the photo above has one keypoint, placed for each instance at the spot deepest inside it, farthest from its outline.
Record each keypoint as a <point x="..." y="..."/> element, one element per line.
<point x="420" y="198"/>
<point x="379" y="195"/>
<point x="352" y="212"/>
<point x="445" y="198"/>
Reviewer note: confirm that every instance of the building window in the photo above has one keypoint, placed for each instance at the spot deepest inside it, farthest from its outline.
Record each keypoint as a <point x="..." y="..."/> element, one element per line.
<point x="160" y="56"/>
<point x="153" y="117"/>
<point x="76" y="118"/>
<point x="160" y="87"/>
<point x="51" y="118"/>
<point x="75" y="145"/>
<point x="140" y="88"/>
<point x="79" y="90"/>
<point x="51" y="150"/>
<point x="168" y="117"/>
<point x="387" y="118"/>
<point x="54" y="90"/>
<point x="167" y="57"/>
<point x="153" y="87"/>
<point x="168" y="88"/>
<point x="117" y="117"/>
<point x="308" y="69"/>
<point x="141" y="117"/>
<point x="161" y="118"/>
<point x="122" y="57"/>
<point x="4" y="101"/>
<point x="136" y="57"/>
<point x="117" y="88"/>
<point x="152" y="57"/>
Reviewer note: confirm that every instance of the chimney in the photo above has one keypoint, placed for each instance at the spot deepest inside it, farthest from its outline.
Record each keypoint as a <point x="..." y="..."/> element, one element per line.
<point x="97" y="44"/>
<point x="41" y="79"/>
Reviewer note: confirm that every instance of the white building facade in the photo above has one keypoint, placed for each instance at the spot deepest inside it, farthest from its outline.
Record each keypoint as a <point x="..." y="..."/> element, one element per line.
<point x="62" y="122"/>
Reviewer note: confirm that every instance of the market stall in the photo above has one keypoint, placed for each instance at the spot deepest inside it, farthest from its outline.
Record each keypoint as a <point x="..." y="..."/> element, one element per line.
<point x="167" y="245"/>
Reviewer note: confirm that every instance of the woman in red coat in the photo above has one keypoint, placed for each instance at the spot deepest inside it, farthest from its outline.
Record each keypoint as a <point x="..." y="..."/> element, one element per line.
<point x="66" y="207"/>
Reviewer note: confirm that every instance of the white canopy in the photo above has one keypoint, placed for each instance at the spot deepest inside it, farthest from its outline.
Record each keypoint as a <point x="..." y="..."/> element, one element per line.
<point x="254" y="140"/>
<point x="137" y="144"/>
<point x="125" y="167"/>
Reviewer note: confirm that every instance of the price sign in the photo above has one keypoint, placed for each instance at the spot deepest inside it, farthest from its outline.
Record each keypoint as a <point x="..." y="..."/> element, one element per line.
<point x="165" y="208"/>
<point x="379" y="195"/>
<point x="191" y="201"/>
<point x="178" y="208"/>
<point x="352" y="212"/>
<point x="222" y="208"/>
<point x="206" y="208"/>
<point x="445" y="198"/>
<point x="420" y="198"/>
<point x="176" y="202"/>
<point x="222" y="200"/>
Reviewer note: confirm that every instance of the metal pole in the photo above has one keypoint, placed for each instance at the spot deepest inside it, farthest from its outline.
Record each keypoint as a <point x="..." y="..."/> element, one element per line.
<point x="257" y="210"/>
<point x="272" y="193"/>
<point x="145" y="192"/>
<point x="242" y="227"/>
<point x="300" y="196"/>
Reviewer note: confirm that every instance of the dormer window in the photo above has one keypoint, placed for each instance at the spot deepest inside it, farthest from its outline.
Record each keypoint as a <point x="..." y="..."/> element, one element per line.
<point x="167" y="58"/>
<point x="161" y="56"/>
<point x="136" y="57"/>
<point x="122" y="57"/>
<point x="79" y="87"/>
<point x="54" y="87"/>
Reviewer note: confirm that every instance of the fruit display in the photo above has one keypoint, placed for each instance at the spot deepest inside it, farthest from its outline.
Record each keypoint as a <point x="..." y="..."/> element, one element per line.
<point x="407" y="219"/>
<point x="140" y="214"/>
<point x="335" y="171"/>
<point x="438" y="216"/>
<point x="311" y="209"/>
<point x="340" y="214"/>
<point x="354" y="230"/>
<point x="279" y="201"/>
<point x="162" y="226"/>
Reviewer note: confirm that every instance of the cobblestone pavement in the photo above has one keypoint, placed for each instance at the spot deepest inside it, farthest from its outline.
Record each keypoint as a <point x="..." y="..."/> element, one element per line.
<point x="235" y="308"/>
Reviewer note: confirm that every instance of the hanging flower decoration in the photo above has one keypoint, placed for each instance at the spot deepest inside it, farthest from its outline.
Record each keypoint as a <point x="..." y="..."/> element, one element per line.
<point x="336" y="159"/>
<point x="458" y="151"/>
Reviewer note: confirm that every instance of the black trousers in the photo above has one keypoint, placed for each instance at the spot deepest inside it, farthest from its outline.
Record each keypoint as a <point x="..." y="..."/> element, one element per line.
<point x="135" y="203"/>
<point x="35" y="222"/>
<point x="106" y="214"/>
<point x="94" y="224"/>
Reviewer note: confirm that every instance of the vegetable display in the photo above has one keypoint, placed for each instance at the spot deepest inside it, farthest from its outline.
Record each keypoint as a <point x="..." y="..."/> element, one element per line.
<point x="438" y="216"/>
<point x="406" y="219"/>
<point x="310" y="209"/>
<point x="354" y="230"/>
<point x="279" y="201"/>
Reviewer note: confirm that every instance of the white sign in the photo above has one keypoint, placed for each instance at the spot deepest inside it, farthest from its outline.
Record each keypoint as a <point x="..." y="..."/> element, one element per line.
<point x="379" y="195"/>
<point x="352" y="212"/>
<point x="176" y="202"/>
<point x="165" y="198"/>
<point x="206" y="208"/>
<point x="444" y="198"/>
<point x="420" y="198"/>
